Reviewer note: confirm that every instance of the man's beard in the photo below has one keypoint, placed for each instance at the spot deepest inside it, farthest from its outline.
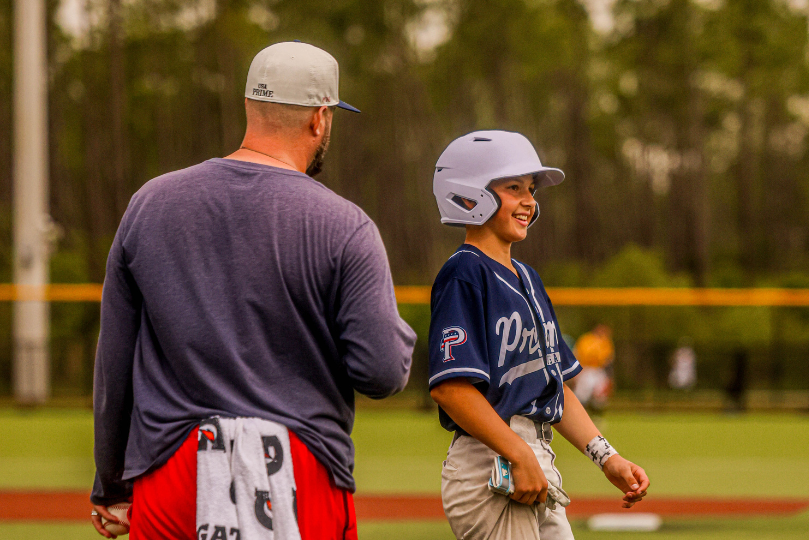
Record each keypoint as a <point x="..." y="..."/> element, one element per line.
<point x="316" y="165"/>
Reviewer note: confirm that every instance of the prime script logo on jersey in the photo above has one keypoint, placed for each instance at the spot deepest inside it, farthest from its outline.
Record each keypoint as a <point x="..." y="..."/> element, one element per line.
<point x="451" y="337"/>
<point x="524" y="336"/>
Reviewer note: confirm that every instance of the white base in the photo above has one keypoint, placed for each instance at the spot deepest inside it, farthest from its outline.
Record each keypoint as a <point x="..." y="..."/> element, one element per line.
<point x="624" y="522"/>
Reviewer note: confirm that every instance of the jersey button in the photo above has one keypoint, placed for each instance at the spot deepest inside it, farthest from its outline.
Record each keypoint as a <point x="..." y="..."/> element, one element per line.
<point x="547" y="410"/>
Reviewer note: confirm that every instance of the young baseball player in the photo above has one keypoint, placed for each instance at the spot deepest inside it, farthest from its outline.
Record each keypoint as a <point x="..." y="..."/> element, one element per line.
<point x="498" y="365"/>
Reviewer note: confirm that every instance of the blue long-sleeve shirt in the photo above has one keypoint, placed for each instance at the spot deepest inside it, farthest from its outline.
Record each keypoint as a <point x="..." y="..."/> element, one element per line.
<point x="240" y="289"/>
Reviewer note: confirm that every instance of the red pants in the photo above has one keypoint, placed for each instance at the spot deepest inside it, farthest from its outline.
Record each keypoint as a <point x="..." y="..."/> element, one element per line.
<point x="164" y="502"/>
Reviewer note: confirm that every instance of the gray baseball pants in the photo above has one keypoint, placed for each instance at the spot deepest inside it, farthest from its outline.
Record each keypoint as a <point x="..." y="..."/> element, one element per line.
<point x="475" y="513"/>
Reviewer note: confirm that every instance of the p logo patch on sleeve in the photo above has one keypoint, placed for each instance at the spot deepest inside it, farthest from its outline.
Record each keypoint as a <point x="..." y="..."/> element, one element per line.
<point x="451" y="337"/>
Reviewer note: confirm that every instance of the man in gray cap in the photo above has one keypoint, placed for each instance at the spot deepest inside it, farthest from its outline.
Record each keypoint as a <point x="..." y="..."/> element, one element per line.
<point x="241" y="288"/>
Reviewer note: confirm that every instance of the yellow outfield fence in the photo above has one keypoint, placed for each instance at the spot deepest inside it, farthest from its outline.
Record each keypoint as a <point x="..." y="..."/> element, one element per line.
<point x="646" y="296"/>
<point x="55" y="292"/>
<point x="560" y="296"/>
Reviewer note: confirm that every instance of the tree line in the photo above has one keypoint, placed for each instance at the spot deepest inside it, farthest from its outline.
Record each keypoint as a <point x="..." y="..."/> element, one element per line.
<point x="681" y="124"/>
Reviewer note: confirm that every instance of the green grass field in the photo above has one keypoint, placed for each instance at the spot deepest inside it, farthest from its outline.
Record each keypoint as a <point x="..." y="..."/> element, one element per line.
<point x="401" y="452"/>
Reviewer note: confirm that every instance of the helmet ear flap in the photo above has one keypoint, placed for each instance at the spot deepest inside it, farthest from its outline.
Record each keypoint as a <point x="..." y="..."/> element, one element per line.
<point x="496" y="200"/>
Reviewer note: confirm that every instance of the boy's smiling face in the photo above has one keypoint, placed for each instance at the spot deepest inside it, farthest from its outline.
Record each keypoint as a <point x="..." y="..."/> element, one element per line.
<point x="517" y="207"/>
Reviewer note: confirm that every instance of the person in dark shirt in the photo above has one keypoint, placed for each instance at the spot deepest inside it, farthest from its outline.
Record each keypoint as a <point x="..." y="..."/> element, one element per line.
<point x="498" y="368"/>
<point x="241" y="287"/>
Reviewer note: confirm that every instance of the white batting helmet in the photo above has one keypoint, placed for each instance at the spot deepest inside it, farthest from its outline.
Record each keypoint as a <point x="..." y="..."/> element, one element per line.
<point x="470" y="163"/>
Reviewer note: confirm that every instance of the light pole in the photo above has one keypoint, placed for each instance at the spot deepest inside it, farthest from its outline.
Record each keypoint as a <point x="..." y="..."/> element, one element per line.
<point x="31" y="220"/>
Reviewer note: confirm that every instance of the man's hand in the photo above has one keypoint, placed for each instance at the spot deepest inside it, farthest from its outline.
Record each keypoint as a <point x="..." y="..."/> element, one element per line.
<point x="530" y="484"/>
<point x="627" y="477"/>
<point x="96" y="519"/>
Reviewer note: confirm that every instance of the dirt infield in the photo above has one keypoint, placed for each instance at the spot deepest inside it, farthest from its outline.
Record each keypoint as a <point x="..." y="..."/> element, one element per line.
<point x="415" y="507"/>
<point x="75" y="506"/>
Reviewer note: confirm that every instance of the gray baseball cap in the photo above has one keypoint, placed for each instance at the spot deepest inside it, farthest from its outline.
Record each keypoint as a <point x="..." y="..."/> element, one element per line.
<point x="295" y="73"/>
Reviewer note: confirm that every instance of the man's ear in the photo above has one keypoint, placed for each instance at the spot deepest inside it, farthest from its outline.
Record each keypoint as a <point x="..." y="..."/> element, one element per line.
<point x="317" y="124"/>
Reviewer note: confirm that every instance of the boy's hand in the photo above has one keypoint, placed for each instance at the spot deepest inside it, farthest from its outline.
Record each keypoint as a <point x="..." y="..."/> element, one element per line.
<point x="530" y="484"/>
<point x="627" y="477"/>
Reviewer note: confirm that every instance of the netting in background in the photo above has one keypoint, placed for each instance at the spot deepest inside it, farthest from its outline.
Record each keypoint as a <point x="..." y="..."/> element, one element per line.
<point x="739" y="350"/>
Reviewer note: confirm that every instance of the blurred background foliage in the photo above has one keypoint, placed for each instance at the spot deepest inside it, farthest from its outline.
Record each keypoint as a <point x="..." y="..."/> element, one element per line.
<point x="681" y="125"/>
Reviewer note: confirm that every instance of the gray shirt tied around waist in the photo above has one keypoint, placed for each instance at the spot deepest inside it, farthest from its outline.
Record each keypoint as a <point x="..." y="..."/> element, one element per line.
<point x="240" y="289"/>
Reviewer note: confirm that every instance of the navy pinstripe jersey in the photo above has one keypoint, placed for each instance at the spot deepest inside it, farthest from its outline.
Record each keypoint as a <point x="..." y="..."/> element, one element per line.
<point x="499" y="331"/>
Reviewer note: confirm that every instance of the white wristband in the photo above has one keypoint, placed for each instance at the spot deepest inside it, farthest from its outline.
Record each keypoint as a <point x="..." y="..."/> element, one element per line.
<point x="599" y="450"/>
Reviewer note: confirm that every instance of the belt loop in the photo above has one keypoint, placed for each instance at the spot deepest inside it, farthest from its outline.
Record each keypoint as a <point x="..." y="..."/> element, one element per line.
<point x="544" y="431"/>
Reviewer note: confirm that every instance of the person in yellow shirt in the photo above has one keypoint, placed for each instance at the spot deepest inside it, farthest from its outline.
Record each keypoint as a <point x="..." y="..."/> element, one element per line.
<point x="595" y="352"/>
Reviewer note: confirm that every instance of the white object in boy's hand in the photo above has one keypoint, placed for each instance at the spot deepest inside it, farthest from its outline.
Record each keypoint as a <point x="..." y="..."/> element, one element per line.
<point x="501" y="482"/>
